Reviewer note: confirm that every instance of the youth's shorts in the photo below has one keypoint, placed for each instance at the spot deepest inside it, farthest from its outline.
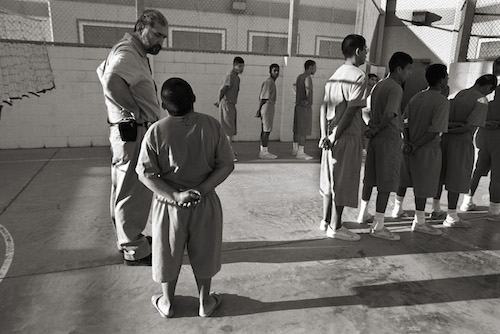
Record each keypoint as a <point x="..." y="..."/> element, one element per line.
<point x="302" y="120"/>
<point x="228" y="117"/>
<point x="267" y="112"/>
<point x="458" y="160"/>
<point x="383" y="161"/>
<point x="340" y="171"/>
<point x="198" y="228"/>
<point x="487" y="141"/>
<point x="421" y="170"/>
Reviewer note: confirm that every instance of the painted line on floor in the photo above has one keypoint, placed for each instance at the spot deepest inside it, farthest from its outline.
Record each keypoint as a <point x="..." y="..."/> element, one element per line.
<point x="9" y="252"/>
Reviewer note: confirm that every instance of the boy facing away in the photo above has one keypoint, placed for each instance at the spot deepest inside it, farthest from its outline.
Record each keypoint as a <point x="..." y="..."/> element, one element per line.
<point x="183" y="158"/>
<point x="467" y="112"/>
<point x="341" y="138"/>
<point x="427" y="115"/>
<point x="384" y="155"/>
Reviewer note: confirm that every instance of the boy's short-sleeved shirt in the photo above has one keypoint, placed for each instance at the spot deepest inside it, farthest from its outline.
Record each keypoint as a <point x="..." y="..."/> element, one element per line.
<point x="184" y="150"/>
<point x="232" y="81"/>
<point x="129" y="60"/>
<point x="268" y="91"/>
<point x="345" y="88"/>
<point x="386" y="98"/>
<point x="469" y="106"/>
<point x="427" y="111"/>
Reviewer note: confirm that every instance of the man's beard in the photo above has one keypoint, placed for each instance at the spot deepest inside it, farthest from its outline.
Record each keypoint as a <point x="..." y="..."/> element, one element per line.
<point x="154" y="50"/>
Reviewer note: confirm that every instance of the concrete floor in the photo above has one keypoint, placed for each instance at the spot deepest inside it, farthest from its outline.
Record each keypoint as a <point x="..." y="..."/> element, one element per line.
<point x="60" y="271"/>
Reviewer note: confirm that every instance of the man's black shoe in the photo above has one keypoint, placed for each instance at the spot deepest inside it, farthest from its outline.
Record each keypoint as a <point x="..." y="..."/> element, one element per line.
<point x="150" y="242"/>
<point x="146" y="261"/>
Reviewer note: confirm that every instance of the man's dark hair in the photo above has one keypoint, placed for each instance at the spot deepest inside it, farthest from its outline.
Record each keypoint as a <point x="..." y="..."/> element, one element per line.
<point x="309" y="63"/>
<point x="351" y="43"/>
<point x="434" y="73"/>
<point x="238" y="60"/>
<point x="273" y="66"/>
<point x="399" y="59"/>
<point x="149" y="17"/>
<point x="177" y="96"/>
<point x="487" y="79"/>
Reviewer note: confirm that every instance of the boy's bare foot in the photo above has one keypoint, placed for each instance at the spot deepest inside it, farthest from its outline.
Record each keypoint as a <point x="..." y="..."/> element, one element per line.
<point x="165" y="309"/>
<point x="209" y="307"/>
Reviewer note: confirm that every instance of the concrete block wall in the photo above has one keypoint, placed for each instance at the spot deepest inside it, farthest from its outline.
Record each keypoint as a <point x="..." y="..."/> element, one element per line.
<point x="74" y="114"/>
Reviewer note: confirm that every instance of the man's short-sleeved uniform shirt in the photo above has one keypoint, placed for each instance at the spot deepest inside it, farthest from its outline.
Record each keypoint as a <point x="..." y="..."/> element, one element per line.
<point x="184" y="150"/>
<point x="129" y="60"/>
<point x="232" y="81"/>
<point x="469" y="106"/>
<point x="386" y="98"/>
<point x="268" y="91"/>
<point x="427" y="111"/>
<point x="341" y="166"/>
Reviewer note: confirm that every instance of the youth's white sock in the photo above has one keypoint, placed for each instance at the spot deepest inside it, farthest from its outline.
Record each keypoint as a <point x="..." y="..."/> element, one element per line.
<point x="436" y="205"/>
<point x="419" y="217"/>
<point x="494" y="208"/>
<point x="452" y="215"/>
<point x="378" y="221"/>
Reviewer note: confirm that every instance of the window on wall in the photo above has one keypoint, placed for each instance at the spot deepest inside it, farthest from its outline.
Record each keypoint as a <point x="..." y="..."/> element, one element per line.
<point x="267" y="43"/>
<point x="206" y="39"/>
<point x="102" y="33"/>
<point x="488" y="48"/>
<point x="330" y="47"/>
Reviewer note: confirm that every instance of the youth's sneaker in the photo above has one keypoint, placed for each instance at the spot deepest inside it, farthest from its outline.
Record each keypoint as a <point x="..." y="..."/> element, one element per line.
<point x="342" y="233"/>
<point x="323" y="225"/>
<point x="294" y="152"/>
<point x="367" y="218"/>
<point x="494" y="218"/>
<point x="303" y="156"/>
<point x="267" y="156"/>
<point x="399" y="214"/>
<point x="384" y="233"/>
<point x="460" y="223"/>
<point x="439" y="215"/>
<point x="468" y="207"/>
<point x="425" y="228"/>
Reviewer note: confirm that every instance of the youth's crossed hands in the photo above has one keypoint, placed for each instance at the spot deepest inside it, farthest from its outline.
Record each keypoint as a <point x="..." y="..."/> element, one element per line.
<point x="188" y="198"/>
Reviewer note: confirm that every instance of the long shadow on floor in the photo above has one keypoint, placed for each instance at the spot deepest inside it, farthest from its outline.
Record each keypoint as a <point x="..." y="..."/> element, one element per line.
<point x="483" y="236"/>
<point x="373" y="296"/>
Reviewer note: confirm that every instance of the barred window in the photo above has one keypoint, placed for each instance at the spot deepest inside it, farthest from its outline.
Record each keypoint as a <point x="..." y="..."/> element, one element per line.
<point x="190" y="38"/>
<point x="330" y="47"/>
<point x="267" y="43"/>
<point x="102" y="33"/>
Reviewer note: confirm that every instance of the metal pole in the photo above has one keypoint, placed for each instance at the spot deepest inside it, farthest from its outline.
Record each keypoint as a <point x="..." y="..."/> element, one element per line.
<point x="293" y="28"/>
<point x="465" y="30"/>
<point x="139" y="7"/>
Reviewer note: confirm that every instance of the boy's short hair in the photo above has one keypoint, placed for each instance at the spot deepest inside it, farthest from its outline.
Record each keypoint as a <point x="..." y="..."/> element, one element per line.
<point x="149" y="17"/>
<point x="238" y="60"/>
<point x="399" y="59"/>
<point x="434" y="73"/>
<point x="487" y="79"/>
<point x="351" y="43"/>
<point x="309" y="63"/>
<point x="273" y="66"/>
<point x="372" y="75"/>
<point x="177" y="96"/>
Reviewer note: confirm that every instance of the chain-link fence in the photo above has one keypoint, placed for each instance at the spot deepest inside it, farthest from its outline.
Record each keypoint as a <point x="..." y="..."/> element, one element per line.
<point x="254" y="26"/>
<point x="484" y="40"/>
